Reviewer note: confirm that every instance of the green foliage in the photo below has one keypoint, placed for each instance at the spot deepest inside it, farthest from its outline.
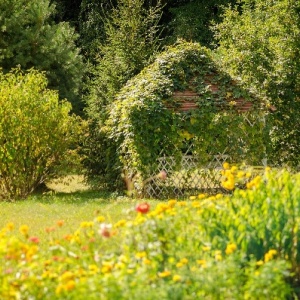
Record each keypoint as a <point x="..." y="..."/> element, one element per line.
<point x="145" y="122"/>
<point x="91" y="26"/>
<point x="192" y="20"/>
<point x="259" y="45"/>
<point x="131" y="39"/>
<point x="30" y="38"/>
<point x="35" y="132"/>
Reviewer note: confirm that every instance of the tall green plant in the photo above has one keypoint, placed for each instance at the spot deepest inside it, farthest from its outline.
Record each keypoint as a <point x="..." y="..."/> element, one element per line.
<point x="35" y="132"/>
<point x="191" y="20"/>
<point x="131" y="40"/>
<point x="29" y="37"/>
<point x="259" y="45"/>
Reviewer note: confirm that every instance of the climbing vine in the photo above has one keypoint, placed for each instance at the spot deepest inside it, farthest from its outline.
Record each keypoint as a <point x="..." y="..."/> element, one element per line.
<point x="146" y="120"/>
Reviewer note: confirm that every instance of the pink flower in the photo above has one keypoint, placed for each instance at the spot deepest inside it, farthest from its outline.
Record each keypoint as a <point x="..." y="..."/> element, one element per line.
<point x="142" y="208"/>
<point x="162" y="175"/>
<point x="105" y="230"/>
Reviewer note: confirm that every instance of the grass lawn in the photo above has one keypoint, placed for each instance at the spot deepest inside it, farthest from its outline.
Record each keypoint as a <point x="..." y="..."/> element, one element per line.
<point x="71" y="203"/>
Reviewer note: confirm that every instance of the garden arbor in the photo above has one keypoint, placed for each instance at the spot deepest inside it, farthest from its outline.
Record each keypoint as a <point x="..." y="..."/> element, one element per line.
<point x="184" y="116"/>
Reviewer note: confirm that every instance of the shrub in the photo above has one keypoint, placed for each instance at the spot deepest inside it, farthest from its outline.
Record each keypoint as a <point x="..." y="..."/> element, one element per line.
<point x="35" y="132"/>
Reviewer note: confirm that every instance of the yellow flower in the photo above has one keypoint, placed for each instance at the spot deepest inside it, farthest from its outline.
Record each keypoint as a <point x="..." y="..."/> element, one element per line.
<point x="146" y="261"/>
<point x="70" y="285"/>
<point x="273" y="252"/>
<point x="106" y="268"/>
<point x="172" y="203"/>
<point x="67" y="276"/>
<point x="100" y="219"/>
<point x="120" y="223"/>
<point x="240" y="174"/>
<point x="59" y="289"/>
<point x="93" y="269"/>
<point x="171" y="260"/>
<point x="184" y="260"/>
<point x="205" y="248"/>
<point x="202" y="196"/>
<point x="230" y="248"/>
<point x="218" y="257"/>
<point x="254" y="182"/>
<point x="270" y="255"/>
<point x="10" y="226"/>
<point x="228" y="184"/>
<point x="226" y="166"/>
<point x="259" y="263"/>
<point x="201" y="262"/>
<point x="176" y="278"/>
<point x="86" y="224"/>
<point x="196" y="204"/>
<point x="164" y="274"/>
<point x="179" y="265"/>
<point x="140" y="255"/>
<point x="120" y="265"/>
<point x="233" y="169"/>
<point x="192" y="197"/>
<point x="24" y="229"/>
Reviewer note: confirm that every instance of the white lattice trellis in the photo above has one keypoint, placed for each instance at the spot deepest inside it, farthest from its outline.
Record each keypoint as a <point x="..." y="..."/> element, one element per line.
<point x="187" y="176"/>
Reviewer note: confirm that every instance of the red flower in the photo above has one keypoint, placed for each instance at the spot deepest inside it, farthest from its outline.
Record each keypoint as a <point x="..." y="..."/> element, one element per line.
<point x="142" y="208"/>
<point x="34" y="239"/>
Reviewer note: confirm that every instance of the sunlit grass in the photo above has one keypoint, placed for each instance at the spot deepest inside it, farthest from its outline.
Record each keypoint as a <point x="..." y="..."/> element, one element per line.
<point x="42" y="212"/>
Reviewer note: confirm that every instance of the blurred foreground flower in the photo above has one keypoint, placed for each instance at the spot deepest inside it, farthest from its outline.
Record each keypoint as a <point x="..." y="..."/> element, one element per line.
<point x="105" y="230"/>
<point x="34" y="239"/>
<point x="142" y="208"/>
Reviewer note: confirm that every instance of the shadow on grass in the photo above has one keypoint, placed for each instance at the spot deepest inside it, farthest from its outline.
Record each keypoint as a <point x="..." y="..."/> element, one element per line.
<point x="78" y="197"/>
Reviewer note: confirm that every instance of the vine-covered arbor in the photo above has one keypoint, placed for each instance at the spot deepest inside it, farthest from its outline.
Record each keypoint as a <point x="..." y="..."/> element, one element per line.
<point x="184" y="116"/>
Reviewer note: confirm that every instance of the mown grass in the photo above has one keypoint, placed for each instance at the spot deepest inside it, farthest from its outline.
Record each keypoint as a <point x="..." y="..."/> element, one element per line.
<point x="74" y="205"/>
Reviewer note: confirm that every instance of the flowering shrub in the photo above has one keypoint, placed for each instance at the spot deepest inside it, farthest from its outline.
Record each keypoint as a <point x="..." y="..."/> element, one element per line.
<point x="243" y="246"/>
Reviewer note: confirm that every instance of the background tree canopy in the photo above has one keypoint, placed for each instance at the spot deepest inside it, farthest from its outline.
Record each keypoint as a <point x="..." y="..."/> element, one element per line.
<point x="29" y="37"/>
<point x="259" y="45"/>
<point x="90" y="49"/>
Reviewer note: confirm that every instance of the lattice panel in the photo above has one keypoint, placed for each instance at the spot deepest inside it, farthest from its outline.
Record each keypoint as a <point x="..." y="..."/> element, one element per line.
<point x="188" y="177"/>
<point x="193" y="175"/>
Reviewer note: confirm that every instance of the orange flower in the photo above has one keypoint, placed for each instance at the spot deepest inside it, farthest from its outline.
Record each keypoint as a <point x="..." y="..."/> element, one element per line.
<point x="60" y="223"/>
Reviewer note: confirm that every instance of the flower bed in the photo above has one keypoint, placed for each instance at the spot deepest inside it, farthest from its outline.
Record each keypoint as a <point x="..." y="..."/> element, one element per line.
<point x="240" y="246"/>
